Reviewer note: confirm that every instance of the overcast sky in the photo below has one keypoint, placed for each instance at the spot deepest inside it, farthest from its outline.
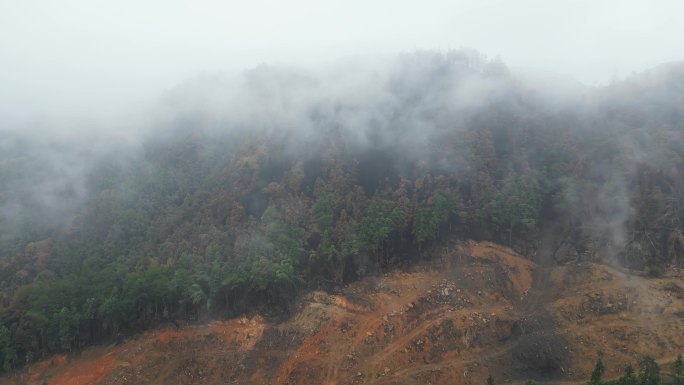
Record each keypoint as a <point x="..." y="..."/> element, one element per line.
<point x="92" y="57"/>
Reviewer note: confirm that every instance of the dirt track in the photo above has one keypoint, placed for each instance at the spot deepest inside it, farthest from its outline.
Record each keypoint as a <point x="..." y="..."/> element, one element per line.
<point x="479" y="309"/>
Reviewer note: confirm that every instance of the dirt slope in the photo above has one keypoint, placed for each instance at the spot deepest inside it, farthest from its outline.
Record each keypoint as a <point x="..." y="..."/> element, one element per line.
<point x="478" y="309"/>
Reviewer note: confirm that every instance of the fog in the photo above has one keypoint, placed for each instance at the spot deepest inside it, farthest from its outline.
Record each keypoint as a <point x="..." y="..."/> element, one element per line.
<point x="103" y="60"/>
<point x="85" y="83"/>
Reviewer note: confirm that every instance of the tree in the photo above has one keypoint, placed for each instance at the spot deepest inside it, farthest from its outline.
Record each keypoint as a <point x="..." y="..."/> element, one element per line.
<point x="7" y="353"/>
<point x="596" y="375"/>
<point x="283" y="240"/>
<point x="490" y="380"/>
<point x="649" y="371"/>
<point x="334" y="256"/>
<point x="514" y="210"/>
<point x="271" y="267"/>
<point x="65" y="328"/>
<point x="629" y="377"/>
<point x="382" y="219"/>
<point x="187" y="292"/>
<point x="324" y="210"/>
<point x="679" y="370"/>
<point x="429" y="219"/>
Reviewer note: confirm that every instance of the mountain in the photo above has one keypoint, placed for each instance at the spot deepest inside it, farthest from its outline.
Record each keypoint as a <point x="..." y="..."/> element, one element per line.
<point x="248" y="191"/>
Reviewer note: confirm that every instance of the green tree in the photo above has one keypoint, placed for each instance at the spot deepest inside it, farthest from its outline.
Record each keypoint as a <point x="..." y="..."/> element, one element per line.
<point x="429" y="219"/>
<point x="514" y="210"/>
<point x="383" y="218"/>
<point x="7" y="353"/>
<point x="679" y="370"/>
<point x="324" y="210"/>
<point x="649" y="371"/>
<point x="597" y="373"/>
<point x="65" y="328"/>
<point x="114" y="311"/>
<point x="188" y="294"/>
<point x="629" y="377"/>
<point x="490" y="380"/>
<point x="282" y="240"/>
<point x="331" y="248"/>
<point x="271" y="267"/>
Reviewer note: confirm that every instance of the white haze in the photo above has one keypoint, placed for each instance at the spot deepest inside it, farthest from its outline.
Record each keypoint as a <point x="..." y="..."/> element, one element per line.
<point x="92" y="61"/>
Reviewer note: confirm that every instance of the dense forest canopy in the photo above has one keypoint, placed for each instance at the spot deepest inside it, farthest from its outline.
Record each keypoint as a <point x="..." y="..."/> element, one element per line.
<point x="248" y="189"/>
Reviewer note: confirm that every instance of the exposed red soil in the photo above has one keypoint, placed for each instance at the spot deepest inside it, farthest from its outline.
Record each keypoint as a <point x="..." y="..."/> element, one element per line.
<point x="478" y="309"/>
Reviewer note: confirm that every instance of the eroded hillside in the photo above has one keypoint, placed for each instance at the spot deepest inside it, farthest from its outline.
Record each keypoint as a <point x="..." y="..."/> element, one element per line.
<point x="477" y="309"/>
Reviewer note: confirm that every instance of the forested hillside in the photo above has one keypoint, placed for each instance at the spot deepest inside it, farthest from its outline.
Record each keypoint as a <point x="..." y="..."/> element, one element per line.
<point x="248" y="190"/>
